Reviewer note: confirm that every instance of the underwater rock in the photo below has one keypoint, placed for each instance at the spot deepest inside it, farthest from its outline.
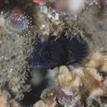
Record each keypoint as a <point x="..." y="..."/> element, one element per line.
<point x="57" y="97"/>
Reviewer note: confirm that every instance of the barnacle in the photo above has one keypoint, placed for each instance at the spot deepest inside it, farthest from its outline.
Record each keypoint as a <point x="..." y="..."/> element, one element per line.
<point x="16" y="21"/>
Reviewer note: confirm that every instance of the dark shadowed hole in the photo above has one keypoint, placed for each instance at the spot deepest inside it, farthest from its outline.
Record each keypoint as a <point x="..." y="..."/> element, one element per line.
<point x="34" y="95"/>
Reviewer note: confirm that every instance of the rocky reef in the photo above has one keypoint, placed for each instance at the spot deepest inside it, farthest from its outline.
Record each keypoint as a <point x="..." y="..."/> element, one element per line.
<point x="53" y="53"/>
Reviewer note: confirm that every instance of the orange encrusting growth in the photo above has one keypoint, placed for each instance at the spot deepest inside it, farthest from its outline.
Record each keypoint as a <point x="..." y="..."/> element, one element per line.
<point x="39" y="1"/>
